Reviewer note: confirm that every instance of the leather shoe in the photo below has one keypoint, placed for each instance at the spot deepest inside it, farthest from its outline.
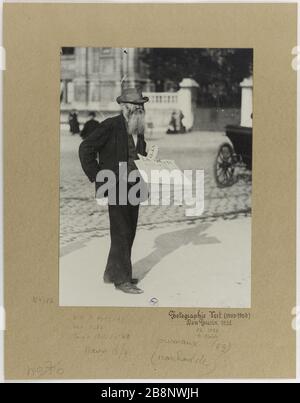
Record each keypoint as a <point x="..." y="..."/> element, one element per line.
<point x="107" y="280"/>
<point x="129" y="288"/>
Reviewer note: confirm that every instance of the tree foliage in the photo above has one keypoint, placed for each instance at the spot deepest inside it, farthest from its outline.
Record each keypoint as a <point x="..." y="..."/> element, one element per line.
<point x="217" y="71"/>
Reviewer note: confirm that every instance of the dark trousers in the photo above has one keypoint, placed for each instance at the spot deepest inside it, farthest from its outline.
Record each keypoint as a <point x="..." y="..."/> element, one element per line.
<point x="123" y="223"/>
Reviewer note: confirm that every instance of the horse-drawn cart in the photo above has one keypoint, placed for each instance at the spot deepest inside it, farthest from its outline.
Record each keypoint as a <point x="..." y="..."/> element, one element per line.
<point x="235" y="152"/>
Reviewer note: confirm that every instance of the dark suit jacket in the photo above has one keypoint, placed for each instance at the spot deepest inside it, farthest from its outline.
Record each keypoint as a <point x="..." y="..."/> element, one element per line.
<point x="89" y="127"/>
<point x="106" y="147"/>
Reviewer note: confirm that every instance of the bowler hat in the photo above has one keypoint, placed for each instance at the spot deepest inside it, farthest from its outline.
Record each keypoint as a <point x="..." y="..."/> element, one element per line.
<point x="132" y="96"/>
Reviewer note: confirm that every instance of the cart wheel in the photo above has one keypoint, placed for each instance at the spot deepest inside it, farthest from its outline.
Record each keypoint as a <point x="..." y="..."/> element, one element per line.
<point x="224" y="166"/>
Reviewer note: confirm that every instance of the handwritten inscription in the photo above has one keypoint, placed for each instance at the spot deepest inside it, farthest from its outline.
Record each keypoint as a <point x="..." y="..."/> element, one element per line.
<point x="47" y="369"/>
<point x="201" y="349"/>
<point x="190" y="353"/>
<point x="42" y="300"/>
<point x="97" y="339"/>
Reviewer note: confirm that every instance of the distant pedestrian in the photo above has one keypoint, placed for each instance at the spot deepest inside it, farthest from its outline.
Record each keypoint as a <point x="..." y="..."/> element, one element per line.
<point x="90" y="126"/>
<point x="172" y="124"/>
<point x="176" y="126"/>
<point x="73" y="122"/>
<point x="180" y="118"/>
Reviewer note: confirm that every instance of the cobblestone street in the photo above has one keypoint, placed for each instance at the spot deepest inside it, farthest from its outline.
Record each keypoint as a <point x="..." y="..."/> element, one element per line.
<point x="81" y="219"/>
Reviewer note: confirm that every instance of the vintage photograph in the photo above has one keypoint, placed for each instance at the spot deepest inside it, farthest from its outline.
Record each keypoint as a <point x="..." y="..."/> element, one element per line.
<point x="155" y="177"/>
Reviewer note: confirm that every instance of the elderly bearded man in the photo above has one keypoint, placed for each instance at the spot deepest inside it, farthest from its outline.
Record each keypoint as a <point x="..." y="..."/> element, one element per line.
<point x="116" y="141"/>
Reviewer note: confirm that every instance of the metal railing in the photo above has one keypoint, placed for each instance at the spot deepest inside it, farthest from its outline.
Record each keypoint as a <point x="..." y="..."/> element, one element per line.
<point x="167" y="98"/>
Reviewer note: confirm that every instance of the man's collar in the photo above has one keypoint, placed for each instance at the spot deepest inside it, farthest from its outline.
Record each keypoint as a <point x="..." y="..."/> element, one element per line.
<point x="124" y="117"/>
<point x="124" y="122"/>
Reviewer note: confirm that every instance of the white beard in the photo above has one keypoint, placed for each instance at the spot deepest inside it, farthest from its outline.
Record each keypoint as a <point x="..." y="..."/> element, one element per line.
<point x="136" y="123"/>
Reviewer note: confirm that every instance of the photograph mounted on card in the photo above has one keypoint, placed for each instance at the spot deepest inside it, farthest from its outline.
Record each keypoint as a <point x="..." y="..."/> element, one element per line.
<point x="171" y="156"/>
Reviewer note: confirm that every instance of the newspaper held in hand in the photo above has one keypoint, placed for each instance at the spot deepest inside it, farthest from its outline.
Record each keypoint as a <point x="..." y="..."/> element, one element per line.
<point x="154" y="170"/>
<point x="152" y="153"/>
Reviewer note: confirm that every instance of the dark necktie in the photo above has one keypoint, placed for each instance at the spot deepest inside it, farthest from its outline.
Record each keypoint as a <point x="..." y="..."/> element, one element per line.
<point x="132" y="153"/>
<point x="140" y="144"/>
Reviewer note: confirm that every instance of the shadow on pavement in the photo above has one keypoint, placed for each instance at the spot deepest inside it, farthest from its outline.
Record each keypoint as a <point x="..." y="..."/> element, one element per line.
<point x="167" y="243"/>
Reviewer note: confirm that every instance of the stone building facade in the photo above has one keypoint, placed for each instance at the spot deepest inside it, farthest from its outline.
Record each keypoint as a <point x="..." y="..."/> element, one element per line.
<point x="91" y="77"/>
<point x="91" y="81"/>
